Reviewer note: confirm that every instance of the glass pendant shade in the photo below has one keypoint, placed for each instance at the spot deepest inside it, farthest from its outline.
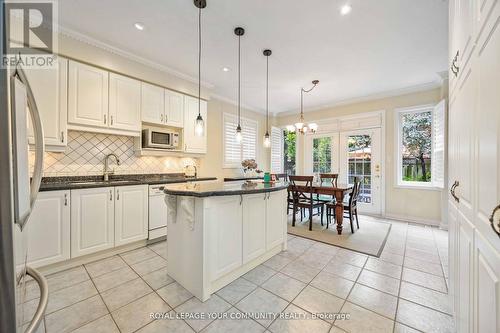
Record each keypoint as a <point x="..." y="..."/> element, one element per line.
<point x="299" y="126"/>
<point x="239" y="137"/>
<point x="267" y="140"/>
<point x="199" y="127"/>
<point x="313" y="127"/>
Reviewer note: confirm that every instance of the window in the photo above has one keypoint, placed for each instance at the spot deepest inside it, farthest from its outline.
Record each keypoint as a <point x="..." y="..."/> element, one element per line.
<point x="235" y="152"/>
<point x="277" y="148"/>
<point x="420" y="146"/>
<point x="322" y="154"/>
<point x="289" y="151"/>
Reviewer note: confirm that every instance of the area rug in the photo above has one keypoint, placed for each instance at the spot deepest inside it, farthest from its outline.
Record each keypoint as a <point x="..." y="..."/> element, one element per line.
<point x="369" y="239"/>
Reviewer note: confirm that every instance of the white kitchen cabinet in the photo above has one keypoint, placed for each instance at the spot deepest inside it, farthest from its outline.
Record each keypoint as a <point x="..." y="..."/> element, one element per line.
<point x="192" y="142"/>
<point x="152" y="104"/>
<point x="254" y="226"/>
<point x="174" y="108"/>
<point x="50" y="89"/>
<point x="474" y="162"/>
<point x="124" y="103"/>
<point x="87" y="95"/>
<point x="48" y="229"/>
<point x="92" y="220"/>
<point x="225" y="234"/>
<point x="275" y="219"/>
<point x="131" y="214"/>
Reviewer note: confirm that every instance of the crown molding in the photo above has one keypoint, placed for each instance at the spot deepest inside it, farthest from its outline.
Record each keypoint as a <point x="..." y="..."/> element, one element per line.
<point x="235" y="104"/>
<point x="371" y="97"/>
<point x="75" y="35"/>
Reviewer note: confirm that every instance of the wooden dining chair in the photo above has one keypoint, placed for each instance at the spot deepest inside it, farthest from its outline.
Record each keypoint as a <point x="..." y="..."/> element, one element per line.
<point x="350" y="207"/>
<point x="282" y="177"/>
<point x="302" y="193"/>
<point x="329" y="179"/>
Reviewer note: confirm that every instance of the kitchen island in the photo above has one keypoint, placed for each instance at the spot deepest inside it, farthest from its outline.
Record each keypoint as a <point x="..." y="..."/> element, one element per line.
<point x="218" y="231"/>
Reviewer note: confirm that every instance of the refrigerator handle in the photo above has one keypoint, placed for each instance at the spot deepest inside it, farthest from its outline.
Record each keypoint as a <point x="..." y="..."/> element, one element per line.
<point x="44" y="297"/>
<point x="39" y="142"/>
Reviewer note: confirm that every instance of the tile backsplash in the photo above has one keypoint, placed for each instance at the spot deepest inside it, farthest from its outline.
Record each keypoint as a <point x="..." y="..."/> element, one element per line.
<point x="85" y="154"/>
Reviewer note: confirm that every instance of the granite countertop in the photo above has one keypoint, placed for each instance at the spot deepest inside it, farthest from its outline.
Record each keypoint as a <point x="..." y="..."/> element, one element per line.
<point x="221" y="188"/>
<point x="82" y="182"/>
<point x="232" y="179"/>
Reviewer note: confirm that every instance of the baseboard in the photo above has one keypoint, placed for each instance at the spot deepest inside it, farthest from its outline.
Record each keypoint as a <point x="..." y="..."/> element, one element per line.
<point x="412" y="219"/>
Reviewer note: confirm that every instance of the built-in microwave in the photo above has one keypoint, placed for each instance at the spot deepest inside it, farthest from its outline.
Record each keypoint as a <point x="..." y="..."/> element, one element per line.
<point x="153" y="138"/>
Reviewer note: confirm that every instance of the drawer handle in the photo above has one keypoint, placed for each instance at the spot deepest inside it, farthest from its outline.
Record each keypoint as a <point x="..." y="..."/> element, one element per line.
<point x="495" y="220"/>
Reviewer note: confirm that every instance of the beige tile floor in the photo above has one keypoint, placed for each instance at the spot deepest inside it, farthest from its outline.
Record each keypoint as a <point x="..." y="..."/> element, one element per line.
<point x="402" y="291"/>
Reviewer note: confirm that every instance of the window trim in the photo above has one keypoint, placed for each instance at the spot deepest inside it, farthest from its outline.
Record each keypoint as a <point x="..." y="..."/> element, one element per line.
<point x="244" y="120"/>
<point x="399" y="182"/>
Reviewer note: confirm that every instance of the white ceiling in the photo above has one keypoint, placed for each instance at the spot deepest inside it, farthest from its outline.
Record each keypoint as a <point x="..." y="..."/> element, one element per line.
<point x="381" y="46"/>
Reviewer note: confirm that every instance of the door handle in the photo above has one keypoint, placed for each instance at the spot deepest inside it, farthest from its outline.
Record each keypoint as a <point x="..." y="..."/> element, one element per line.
<point x="62" y="136"/>
<point x="452" y="190"/>
<point x="110" y="195"/>
<point x="105" y="120"/>
<point x="495" y="220"/>
<point x="161" y="117"/>
<point x="44" y="299"/>
<point x="117" y="194"/>
<point x="65" y="199"/>
<point x="111" y="118"/>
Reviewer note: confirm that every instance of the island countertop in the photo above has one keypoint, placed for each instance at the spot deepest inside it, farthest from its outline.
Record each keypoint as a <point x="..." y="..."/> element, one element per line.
<point x="221" y="188"/>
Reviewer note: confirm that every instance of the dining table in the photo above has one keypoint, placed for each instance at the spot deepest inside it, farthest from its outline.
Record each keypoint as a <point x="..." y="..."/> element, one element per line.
<point x="338" y="192"/>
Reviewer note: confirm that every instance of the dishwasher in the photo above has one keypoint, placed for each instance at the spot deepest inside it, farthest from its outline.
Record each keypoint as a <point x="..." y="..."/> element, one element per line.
<point x="157" y="212"/>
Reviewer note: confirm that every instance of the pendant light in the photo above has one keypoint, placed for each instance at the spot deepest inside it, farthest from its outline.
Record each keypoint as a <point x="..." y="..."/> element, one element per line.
<point x="300" y="126"/>
<point x="267" y="139"/>
<point x="239" y="31"/>
<point x="199" y="127"/>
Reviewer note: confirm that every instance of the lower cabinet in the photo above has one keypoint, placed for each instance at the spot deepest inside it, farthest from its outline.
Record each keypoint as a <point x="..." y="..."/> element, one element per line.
<point x="275" y="211"/>
<point x="92" y="220"/>
<point x="48" y="229"/>
<point x="254" y="226"/>
<point x="102" y="218"/>
<point x="131" y="214"/>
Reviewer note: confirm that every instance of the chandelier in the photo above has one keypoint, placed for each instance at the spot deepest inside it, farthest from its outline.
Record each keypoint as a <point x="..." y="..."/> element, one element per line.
<point x="301" y="127"/>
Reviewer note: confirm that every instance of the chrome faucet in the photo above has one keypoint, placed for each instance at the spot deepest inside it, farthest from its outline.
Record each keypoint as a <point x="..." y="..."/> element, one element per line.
<point x="108" y="172"/>
<point x="195" y="169"/>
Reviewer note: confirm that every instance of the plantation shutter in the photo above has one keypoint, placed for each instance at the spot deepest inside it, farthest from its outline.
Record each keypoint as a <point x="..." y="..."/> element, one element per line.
<point x="438" y="143"/>
<point x="249" y="144"/>
<point x="235" y="152"/>
<point x="276" y="150"/>
<point x="232" y="149"/>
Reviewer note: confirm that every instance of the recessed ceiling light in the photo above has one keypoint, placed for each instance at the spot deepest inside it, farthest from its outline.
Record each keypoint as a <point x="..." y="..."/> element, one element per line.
<point x="139" y="26"/>
<point x="345" y="9"/>
<point x="225" y="69"/>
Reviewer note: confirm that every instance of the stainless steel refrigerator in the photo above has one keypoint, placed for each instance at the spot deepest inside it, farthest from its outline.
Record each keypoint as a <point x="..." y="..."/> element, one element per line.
<point x="18" y="192"/>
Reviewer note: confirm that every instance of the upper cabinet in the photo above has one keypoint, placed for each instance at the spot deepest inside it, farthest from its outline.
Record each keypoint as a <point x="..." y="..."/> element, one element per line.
<point x="152" y="104"/>
<point x="99" y="101"/>
<point x="49" y="88"/>
<point x="192" y="142"/>
<point x="87" y="95"/>
<point x="174" y="109"/>
<point x="161" y="106"/>
<point x="124" y="103"/>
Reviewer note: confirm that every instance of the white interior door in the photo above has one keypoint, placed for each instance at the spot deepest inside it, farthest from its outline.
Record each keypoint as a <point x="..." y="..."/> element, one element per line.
<point x="360" y="156"/>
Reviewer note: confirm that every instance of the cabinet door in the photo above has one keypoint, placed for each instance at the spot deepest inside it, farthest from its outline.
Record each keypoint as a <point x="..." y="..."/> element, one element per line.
<point x="124" y="103"/>
<point x="174" y="108"/>
<point x="465" y="274"/>
<point x="224" y="234"/>
<point x="254" y="226"/>
<point x="48" y="229"/>
<point x="92" y="220"/>
<point x="131" y="214"/>
<point x="275" y="219"/>
<point x="152" y="104"/>
<point x="87" y="95"/>
<point x="50" y="89"/>
<point x="192" y="142"/>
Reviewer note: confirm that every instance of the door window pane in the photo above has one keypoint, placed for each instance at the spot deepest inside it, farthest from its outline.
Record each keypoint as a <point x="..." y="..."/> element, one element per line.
<point x="359" y="165"/>
<point x="322" y="155"/>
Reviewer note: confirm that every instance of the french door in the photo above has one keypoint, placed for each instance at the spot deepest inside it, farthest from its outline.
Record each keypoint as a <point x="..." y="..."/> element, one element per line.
<point x="360" y="159"/>
<point x="353" y="154"/>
